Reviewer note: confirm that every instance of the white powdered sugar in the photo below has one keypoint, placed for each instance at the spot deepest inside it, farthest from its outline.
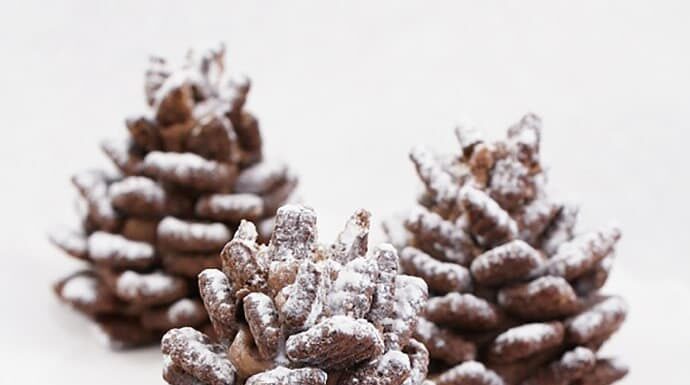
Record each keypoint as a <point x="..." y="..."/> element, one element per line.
<point x="426" y="329"/>
<point x="575" y="358"/>
<point x="452" y="277"/>
<point x="358" y="329"/>
<point x="467" y="134"/>
<point x="193" y="347"/>
<point x="72" y="241"/>
<point x="104" y="338"/>
<point x="562" y="228"/>
<point x="508" y="177"/>
<point x="439" y="182"/>
<point x="584" y="251"/>
<point x="80" y="289"/>
<point x="395" y="231"/>
<point x="598" y="316"/>
<point x="448" y="237"/>
<point x="177" y="228"/>
<point x="283" y="375"/>
<point x="550" y="282"/>
<point x="352" y="241"/>
<point x="104" y="246"/>
<point x="131" y="284"/>
<point x="261" y="177"/>
<point x="181" y="309"/>
<point x="141" y="187"/>
<point x="531" y="333"/>
<point x="471" y="371"/>
<point x="235" y="202"/>
<point x="393" y="359"/>
<point x="183" y="165"/>
<point x="353" y="280"/>
<point x="481" y="201"/>
<point x="348" y="325"/>
<point x="177" y="79"/>
<point x="463" y="303"/>
<point x="117" y="150"/>
<point x="514" y="250"/>
<point x="91" y="181"/>
<point x="410" y="297"/>
<point x="263" y="306"/>
<point x="93" y="185"/>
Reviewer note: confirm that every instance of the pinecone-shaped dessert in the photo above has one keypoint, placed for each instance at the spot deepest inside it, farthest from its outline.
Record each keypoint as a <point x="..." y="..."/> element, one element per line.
<point x="188" y="171"/>
<point x="514" y="290"/>
<point x="298" y="312"/>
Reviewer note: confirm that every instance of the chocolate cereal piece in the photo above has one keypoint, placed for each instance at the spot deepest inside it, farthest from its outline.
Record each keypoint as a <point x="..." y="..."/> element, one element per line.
<point x="444" y="344"/>
<point x="185" y="236"/>
<point x="285" y="376"/>
<point x="599" y="321"/>
<point x="546" y="297"/>
<point x="572" y="365"/>
<point x="262" y="318"/>
<point x="509" y="262"/>
<point x="441" y="277"/>
<point x="116" y="251"/>
<point x="230" y="207"/>
<point x="525" y="340"/>
<point x="154" y="288"/>
<point x="464" y="311"/>
<point x="198" y="356"/>
<point x="470" y="373"/>
<point x="335" y="343"/>
<point x="606" y="371"/>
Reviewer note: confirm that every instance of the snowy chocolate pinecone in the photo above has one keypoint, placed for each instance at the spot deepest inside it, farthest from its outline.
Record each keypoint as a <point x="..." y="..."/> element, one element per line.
<point x="188" y="171"/>
<point x="295" y="311"/>
<point x="514" y="289"/>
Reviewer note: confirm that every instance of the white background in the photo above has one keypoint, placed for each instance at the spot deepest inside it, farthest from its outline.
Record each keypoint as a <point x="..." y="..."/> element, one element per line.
<point x="343" y="90"/>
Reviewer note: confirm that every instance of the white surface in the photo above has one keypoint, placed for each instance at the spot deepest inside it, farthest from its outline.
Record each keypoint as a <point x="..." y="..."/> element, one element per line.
<point x="343" y="90"/>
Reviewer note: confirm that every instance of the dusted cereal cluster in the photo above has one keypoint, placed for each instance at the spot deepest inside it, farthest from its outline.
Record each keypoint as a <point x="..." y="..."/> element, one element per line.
<point x="187" y="172"/>
<point x="299" y="312"/>
<point x="514" y="288"/>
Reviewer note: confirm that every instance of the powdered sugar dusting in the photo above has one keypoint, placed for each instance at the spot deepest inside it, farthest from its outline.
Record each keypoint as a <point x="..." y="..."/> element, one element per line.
<point x="131" y="283"/>
<point x="81" y="289"/>
<point x="104" y="246"/>
<point x="182" y="309"/>
<point x="584" y="251"/>
<point x="393" y="359"/>
<point x="71" y="241"/>
<point x="532" y="333"/>
<point x="144" y="188"/>
<point x="183" y="165"/>
<point x="603" y="313"/>
<point x="550" y="282"/>
<point x="192" y="348"/>
<point x="462" y="302"/>
<point x="236" y="202"/>
<point x="470" y="372"/>
<point x="174" y="227"/>
<point x="439" y="182"/>
<point x="261" y="177"/>
<point x="575" y="358"/>
<point x="481" y="201"/>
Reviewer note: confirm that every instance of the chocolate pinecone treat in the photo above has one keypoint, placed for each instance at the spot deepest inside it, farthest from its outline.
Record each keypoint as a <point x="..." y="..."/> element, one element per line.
<point x="189" y="170"/>
<point x="298" y="312"/>
<point x="514" y="289"/>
